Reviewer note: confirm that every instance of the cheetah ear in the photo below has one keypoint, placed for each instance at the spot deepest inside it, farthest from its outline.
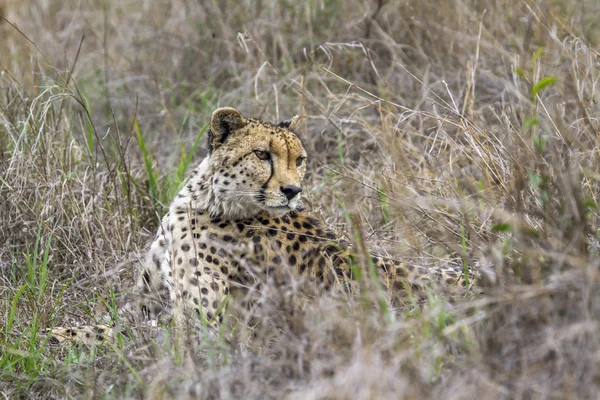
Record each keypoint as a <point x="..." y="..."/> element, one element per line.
<point x="223" y="122"/>
<point x="290" y="124"/>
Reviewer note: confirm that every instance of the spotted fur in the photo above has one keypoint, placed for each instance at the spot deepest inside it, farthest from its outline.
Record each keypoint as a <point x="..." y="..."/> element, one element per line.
<point x="238" y="220"/>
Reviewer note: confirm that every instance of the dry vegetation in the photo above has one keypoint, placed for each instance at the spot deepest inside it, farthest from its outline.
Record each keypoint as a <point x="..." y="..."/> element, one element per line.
<point x="437" y="130"/>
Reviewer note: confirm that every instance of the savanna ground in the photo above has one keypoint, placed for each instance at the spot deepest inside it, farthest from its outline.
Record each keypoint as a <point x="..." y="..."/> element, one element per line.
<point x="437" y="131"/>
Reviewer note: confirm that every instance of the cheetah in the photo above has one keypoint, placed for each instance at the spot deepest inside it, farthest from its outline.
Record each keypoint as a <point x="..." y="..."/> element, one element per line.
<point x="238" y="218"/>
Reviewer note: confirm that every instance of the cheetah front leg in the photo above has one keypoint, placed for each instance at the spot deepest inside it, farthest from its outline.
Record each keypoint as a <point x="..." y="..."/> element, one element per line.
<point x="196" y="272"/>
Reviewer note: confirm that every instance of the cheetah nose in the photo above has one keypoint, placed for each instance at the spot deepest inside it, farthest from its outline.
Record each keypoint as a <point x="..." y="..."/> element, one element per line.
<point x="290" y="191"/>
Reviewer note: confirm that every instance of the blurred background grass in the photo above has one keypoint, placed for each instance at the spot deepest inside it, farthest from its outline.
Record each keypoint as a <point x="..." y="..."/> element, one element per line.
<point x="447" y="130"/>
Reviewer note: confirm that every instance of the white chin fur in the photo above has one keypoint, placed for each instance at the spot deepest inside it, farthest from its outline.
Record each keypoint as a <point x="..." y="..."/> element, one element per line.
<point x="293" y="204"/>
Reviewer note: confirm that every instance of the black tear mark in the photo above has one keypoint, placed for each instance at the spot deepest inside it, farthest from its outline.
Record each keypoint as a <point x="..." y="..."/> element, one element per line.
<point x="289" y="153"/>
<point x="261" y="193"/>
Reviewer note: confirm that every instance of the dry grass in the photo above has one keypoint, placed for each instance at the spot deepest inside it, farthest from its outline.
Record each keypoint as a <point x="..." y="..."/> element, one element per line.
<point x="448" y="129"/>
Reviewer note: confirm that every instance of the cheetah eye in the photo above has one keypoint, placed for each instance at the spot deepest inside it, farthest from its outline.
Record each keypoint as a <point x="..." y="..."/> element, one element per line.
<point x="300" y="161"/>
<point x="262" y="155"/>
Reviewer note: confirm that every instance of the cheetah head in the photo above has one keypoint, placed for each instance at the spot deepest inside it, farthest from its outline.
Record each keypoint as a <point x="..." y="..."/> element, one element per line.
<point x="254" y="166"/>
